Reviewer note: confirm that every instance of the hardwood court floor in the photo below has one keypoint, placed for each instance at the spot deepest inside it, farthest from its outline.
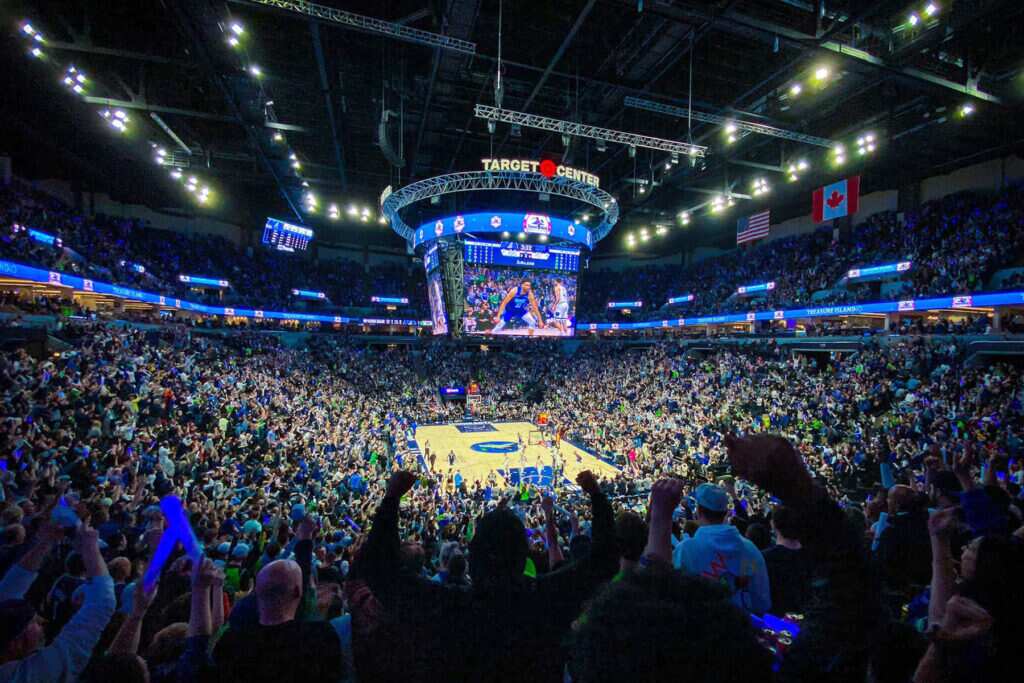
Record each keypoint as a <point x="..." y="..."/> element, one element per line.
<point x="492" y="439"/>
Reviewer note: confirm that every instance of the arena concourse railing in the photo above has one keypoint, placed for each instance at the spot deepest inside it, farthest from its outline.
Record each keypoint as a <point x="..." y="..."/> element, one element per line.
<point x="19" y="272"/>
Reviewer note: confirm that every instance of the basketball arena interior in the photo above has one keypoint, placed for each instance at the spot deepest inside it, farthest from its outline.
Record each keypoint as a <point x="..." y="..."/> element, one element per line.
<point x="507" y="340"/>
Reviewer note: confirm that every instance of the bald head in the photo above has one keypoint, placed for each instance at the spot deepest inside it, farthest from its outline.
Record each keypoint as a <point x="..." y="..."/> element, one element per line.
<point x="901" y="498"/>
<point x="279" y="591"/>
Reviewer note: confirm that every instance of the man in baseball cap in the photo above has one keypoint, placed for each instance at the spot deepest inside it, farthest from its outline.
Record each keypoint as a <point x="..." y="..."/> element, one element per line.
<point x="719" y="552"/>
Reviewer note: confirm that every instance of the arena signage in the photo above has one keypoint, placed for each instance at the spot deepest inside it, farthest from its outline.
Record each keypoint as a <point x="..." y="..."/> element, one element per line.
<point x="546" y="168"/>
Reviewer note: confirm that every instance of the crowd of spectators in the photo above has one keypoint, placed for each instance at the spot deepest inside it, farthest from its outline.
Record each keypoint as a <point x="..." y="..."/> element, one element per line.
<point x="954" y="243"/>
<point x="111" y="249"/>
<point x="333" y="552"/>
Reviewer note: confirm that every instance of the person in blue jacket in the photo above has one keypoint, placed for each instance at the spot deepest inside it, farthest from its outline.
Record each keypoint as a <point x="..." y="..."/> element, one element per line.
<point x="719" y="552"/>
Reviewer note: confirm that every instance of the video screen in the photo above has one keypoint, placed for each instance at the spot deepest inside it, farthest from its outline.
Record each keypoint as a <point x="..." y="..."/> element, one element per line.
<point x="528" y="303"/>
<point x="283" y="236"/>
<point x="436" y="295"/>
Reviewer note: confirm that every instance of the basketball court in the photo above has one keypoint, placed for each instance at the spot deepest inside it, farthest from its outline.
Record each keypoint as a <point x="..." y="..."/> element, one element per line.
<point x="484" y="447"/>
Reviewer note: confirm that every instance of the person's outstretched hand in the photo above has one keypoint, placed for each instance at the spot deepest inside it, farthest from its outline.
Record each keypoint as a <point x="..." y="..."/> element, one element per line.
<point x="588" y="482"/>
<point x="770" y="462"/>
<point x="547" y="504"/>
<point x="307" y="528"/>
<point x="964" y="620"/>
<point x="665" y="496"/>
<point x="942" y="523"/>
<point x="400" y="483"/>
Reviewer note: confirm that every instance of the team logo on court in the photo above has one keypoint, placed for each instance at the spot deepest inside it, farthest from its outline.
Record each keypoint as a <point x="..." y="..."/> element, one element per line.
<point x="495" y="221"/>
<point x="495" y="447"/>
<point x="460" y="223"/>
<point x="537" y="224"/>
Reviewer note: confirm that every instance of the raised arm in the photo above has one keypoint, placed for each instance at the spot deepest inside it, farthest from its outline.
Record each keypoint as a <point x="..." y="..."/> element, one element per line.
<point x="555" y="556"/>
<point x="940" y="526"/>
<point x="849" y="609"/>
<point x="377" y="561"/>
<point x="665" y="497"/>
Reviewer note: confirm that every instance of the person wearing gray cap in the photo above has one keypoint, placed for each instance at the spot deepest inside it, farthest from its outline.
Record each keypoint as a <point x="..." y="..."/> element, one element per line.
<point x="719" y="552"/>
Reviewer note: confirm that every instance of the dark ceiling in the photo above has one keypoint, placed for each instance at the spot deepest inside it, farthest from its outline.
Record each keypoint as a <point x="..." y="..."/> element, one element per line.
<point x="572" y="59"/>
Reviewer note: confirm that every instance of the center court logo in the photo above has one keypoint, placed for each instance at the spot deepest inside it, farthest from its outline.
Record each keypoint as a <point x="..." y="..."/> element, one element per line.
<point x="495" y="447"/>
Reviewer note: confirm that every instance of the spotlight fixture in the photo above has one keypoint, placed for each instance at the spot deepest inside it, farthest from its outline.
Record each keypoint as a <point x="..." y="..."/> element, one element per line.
<point x="352" y="210"/>
<point x="760" y="186"/>
<point x="795" y="89"/>
<point x="866" y="144"/>
<point x="278" y="137"/>
<point x="821" y="73"/>
<point x="684" y="217"/>
<point x="965" y="110"/>
<point x="913" y="19"/>
<point x="255" y="70"/>
<point x="930" y="9"/>
<point x="236" y="28"/>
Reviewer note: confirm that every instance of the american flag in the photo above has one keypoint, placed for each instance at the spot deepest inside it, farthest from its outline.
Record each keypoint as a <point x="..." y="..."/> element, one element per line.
<point x="753" y="227"/>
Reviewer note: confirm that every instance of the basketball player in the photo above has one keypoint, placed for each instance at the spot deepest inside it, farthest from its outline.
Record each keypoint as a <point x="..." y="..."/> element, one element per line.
<point x="519" y="304"/>
<point x="451" y="458"/>
<point x="560" y="307"/>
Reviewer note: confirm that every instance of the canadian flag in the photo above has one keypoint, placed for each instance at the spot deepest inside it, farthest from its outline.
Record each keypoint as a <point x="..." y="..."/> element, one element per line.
<point x="839" y="199"/>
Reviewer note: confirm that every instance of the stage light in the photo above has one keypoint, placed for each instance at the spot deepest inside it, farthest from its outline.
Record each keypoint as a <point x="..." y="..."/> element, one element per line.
<point x="913" y="19"/>
<point x="661" y="230"/>
<point x="28" y="29"/>
<point x="795" y="89"/>
<point x="966" y="110"/>
<point x="366" y="211"/>
<point x="821" y="73"/>
<point x="296" y="165"/>
<point x="586" y="217"/>
<point x="522" y="236"/>
<point x="80" y="78"/>
<point x="760" y="186"/>
<point x="305" y="183"/>
<point x="255" y="70"/>
<point x="237" y="29"/>
<point x="232" y="41"/>
<point x="668" y="165"/>
<point x="684" y="217"/>
<point x="352" y="210"/>
<point x="717" y="203"/>
<point x="176" y="174"/>
<point x="930" y="9"/>
<point x="866" y="144"/>
<point x="505" y="234"/>
<point x="68" y="81"/>
<point x="802" y="165"/>
<point x="192" y="180"/>
<point x="576" y="221"/>
<point x="292" y="156"/>
<point x="674" y="159"/>
<point x="278" y="137"/>
<point x="121" y="115"/>
<point x="382" y="220"/>
<point x="78" y="89"/>
<point x="643" y="190"/>
<point x="730" y="128"/>
<point x="543" y="238"/>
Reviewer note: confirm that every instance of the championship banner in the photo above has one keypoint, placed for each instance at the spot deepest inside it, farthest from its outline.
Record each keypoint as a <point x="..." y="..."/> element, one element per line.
<point x="841" y="198"/>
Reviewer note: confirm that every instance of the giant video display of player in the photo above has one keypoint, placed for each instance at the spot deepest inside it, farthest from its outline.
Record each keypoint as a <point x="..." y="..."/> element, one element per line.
<point x="519" y="302"/>
<point x="436" y="295"/>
